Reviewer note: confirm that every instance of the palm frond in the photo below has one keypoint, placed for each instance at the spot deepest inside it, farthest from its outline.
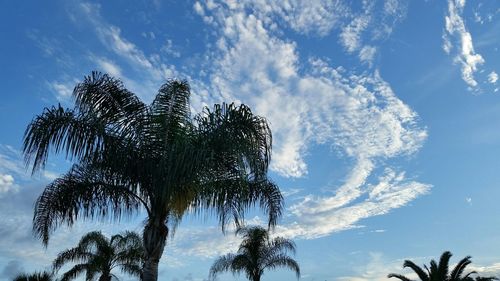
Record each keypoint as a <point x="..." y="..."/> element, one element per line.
<point x="37" y="276"/>
<point x="61" y="129"/>
<point x="270" y="199"/>
<point x="106" y="97"/>
<point x="72" y="255"/>
<point x="486" y="278"/>
<point x="283" y="260"/>
<point x="230" y="198"/>
<point x="460" y="267"/>
<point x="82" y="192"/>
<point x="75" y="271"/>
<point x="235" y="132"/>
<point x="434" y="273"/>
<point x="418" y="270"/>
<point x="398" y="276"/>
<point x="442" y="268"/>
<point x="127" y="240"/>
<point x="282" y="245"/>
<point x="220" y="265"/>
<point x="129" y="249"/>
<point x="170" y="112"/>
<point x="132" y="269"/>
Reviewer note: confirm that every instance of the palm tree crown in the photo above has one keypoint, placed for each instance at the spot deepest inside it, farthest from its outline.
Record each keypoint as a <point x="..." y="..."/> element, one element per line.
<point x="131" y="156"/>
<point x="95" y="255"/>
<point x="440" y="271"/>
<point x="37" y="276"/>
<point x="256" y="253"/>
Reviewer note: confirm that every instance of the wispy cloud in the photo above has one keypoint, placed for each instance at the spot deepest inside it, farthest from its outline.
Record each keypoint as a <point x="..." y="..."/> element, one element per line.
<point x="465" y="55"/>
<point x="12" y="164"/>
<point x="108" y="66"/>
<point x="351" y="33"/>
<point x="149" y="70"/>
<point x="63" y="90"/>
<point x="493" y="77"/>
<point x="357" y="114"/>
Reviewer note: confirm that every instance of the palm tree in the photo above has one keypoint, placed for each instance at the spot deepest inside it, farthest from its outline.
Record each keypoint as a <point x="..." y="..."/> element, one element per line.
<point x="479" y="278"/>
<point x="256" y="253"/>
<point x="439" y="271"/>
<point x="95" y="254"/>
<point x="131" y="156"/>
<point x="37" y="276"/>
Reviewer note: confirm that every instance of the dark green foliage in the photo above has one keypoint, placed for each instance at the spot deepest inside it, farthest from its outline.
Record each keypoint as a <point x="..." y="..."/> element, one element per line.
<point x="478" y="278"/>
<point x="37" y="276"/>
<point x="96" y="255"/>
<point x="440" y="271"/>
<point x="257" y="253"/>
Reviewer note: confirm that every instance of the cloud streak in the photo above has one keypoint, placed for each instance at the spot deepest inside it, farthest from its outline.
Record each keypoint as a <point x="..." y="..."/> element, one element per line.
<point x="465" y="55"/>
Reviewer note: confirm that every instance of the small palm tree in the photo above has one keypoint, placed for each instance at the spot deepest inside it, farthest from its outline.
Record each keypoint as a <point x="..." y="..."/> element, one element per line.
<point x="256" y="253"/>
<point x="95" y="255"/>
<point x="37" y="276"/>
<point x="440" y="271"/>
<point x="131" y="156"/>
<point x="479" y="278"/>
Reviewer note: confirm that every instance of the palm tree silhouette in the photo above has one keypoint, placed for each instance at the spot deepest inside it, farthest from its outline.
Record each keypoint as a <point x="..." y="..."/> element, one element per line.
<point x="256" y="253"/>
<point x="440" y="271"/>
<point x="95" y="254"/>
<point x="131" y="156"/>
<point x="37" y="276"/>
<point x="478" y="278"/>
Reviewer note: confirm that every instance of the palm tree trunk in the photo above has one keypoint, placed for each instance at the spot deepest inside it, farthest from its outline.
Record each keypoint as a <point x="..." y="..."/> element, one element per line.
<point x="256" y="277"/>
<point x="154" y="239"/>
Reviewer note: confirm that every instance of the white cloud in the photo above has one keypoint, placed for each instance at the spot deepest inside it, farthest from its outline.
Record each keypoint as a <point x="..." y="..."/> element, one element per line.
<point x="11" y="164"/>
<point x="447" y="46"/>
<point x="465" y="53"/>
<point x="377" y="269"/>
<point x="150" y="70"/>
<point x="169" y="49"/>
<point x="358" y="115"/>
<point x="262" y="70"/>
<point x="351" y="34"/>
<point x="367" y="54"/>
<point x="309" y="17"/>
<point x="493" y="77"/>
<point x="321" y="216"/>
<point x="486" y="270"/>
<point x="63" y="90"/>
<point x="108" y="66"/>
<point x="6" y="183"/>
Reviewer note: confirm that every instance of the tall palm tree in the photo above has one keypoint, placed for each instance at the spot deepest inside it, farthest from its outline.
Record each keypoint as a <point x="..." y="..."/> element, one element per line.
<point x="440" y="271"/>
<point x="131" y="156"/>
<point x="95" y="254"/>
<point x="256" y="253"/>
<point x="37" y="276"/>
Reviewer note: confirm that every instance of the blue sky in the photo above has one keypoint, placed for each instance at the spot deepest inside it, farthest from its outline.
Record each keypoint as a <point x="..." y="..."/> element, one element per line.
<point x="384" y="115"/>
